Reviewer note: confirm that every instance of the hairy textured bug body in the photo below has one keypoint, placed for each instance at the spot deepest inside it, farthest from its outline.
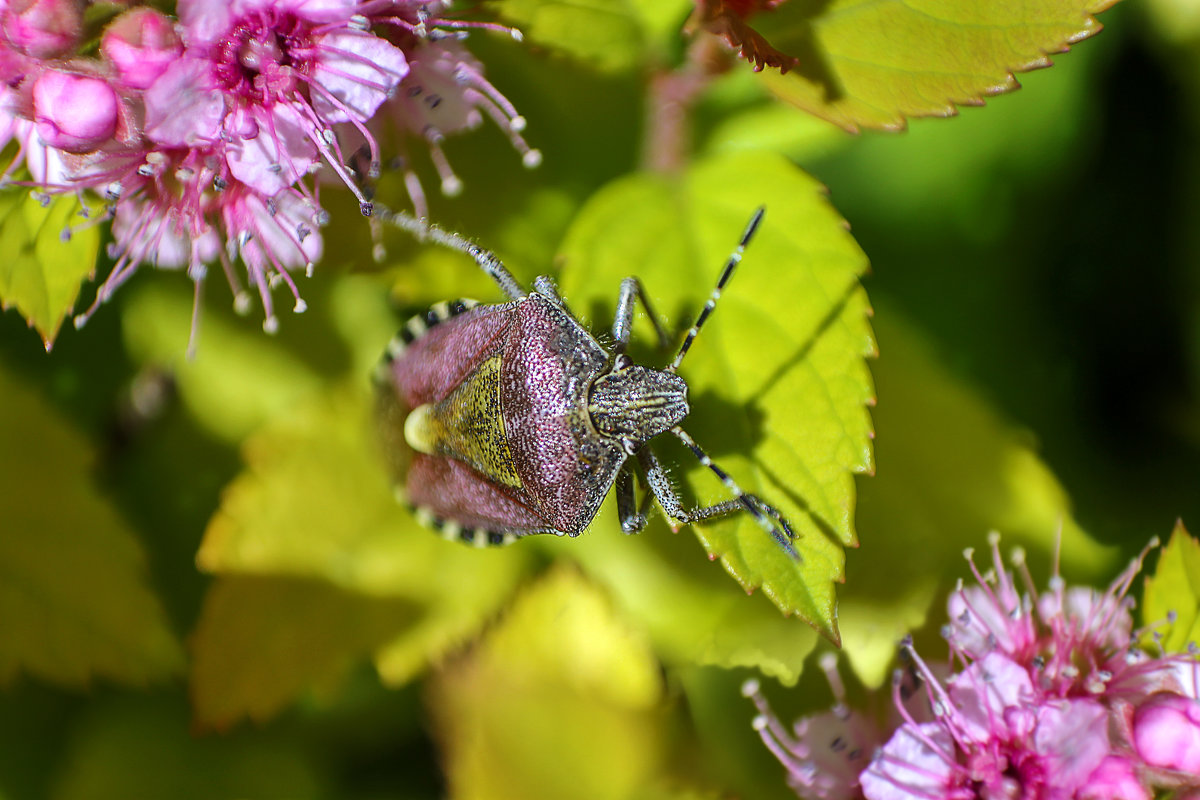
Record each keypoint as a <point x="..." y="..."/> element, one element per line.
<point x="509" y="420"/>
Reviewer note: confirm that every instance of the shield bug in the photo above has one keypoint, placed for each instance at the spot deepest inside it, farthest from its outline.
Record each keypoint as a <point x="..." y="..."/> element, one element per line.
<point x="509" y="420"/>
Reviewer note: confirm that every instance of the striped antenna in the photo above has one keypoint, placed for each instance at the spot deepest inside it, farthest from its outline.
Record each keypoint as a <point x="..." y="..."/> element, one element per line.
<point x="422" y="229"/>
<point x="735" y="258"/>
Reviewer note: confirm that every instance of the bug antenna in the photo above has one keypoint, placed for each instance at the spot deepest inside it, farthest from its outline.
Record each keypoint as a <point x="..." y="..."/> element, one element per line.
<point x="422" y="229"/>
<point x="768" y="518"/>
<point x="735" y="258"/>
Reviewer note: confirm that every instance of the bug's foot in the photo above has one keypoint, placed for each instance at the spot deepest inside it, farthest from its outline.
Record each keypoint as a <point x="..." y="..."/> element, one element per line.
<point x="774" y="523"/>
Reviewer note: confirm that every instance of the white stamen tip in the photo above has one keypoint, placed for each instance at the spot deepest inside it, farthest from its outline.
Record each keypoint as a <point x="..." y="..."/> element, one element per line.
<point x="300" y="306"/>
<point x="241" y="303"/>
<point x="452" y="186"/>
<point x="308" y="269"/>
<point x="750" y="687"/>
<point x="532" y="159"/>
<point x="271" y="325"/>
<point x="517" y="124"/>
<point x="759" y="722"/>
<point x="80" y="320"/>
<point x="517" y="35"/>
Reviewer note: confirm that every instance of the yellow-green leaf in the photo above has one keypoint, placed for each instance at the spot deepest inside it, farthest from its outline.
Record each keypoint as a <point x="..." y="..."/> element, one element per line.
<point x="779" y="383"/>
<point x="238" y="378"/>
<point x="40" y="273"/>
<point x="688" y="606"/>
<point x="560" y="699"/>
<point x="261" y="642"/>
<point x="872" y="63"/>
<point x="143" y="747"/>
<point x="74" y="604"/>
<point x="950" y="471"/>
<point x="315" y="502"/>
<point x="1174" y="590"/>
<point x="609" y="34"/>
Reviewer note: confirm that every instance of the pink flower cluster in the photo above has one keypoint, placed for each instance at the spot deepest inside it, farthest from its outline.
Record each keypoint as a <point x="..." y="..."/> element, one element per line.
<point x="1053" y="698"/>
<point x="205" y="134"/>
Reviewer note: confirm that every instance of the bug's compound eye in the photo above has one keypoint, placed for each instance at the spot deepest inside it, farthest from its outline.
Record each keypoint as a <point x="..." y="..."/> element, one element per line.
<point x="622" y="361"/>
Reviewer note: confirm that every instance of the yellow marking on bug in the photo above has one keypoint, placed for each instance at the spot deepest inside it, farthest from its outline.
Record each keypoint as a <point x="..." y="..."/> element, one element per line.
<point x="467" y="425"/>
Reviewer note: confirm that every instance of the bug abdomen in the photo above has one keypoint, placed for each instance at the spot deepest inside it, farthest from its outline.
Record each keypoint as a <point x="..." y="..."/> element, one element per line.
<point x="548" y="363"/>
<point x="441" y="356"/>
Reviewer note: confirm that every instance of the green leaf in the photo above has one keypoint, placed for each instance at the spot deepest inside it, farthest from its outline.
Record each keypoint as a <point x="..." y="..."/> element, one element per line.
<point x="74" y="604"/>
<point x="315" y="502"/>
<point x="263" y="641"/>
<point x="950" y="471"/>
<point x="40" y="274"/>
<point x="872" y="63"/>
<point x="688" y="607"/>
<point x="609" y="34"/>
<point x="1174" y="588"/>
<point x="779" y="383"/>
<point x="238" y="379"/>
<point x="142" y="747"/>
<point x="560" y="699"/>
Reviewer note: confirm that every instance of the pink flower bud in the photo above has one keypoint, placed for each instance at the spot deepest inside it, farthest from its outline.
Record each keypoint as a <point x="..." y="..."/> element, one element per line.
<point x="140" y="44"/>
<point x="1166" y="732"/>
<point x="74" y="113"/>
<point x="43" y="28"/>
<point x="1115" y="779"/>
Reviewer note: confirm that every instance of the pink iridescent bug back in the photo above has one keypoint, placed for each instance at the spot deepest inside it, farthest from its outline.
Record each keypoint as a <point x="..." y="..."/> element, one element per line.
<point x="502" y="421"/>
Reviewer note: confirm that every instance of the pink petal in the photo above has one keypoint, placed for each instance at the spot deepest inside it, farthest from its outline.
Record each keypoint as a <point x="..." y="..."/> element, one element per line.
<point x="205" y="21"/>
<point x="906" y="768"/>
<point x="985" y="691"/>
<point x="362" y="77"/>
<point x="183" y="107"/>
<point x="1072" y="737"/>
<point x="274" y="159"/>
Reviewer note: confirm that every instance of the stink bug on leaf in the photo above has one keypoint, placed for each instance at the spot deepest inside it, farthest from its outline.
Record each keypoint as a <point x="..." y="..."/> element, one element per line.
<point x="510" y="420"/>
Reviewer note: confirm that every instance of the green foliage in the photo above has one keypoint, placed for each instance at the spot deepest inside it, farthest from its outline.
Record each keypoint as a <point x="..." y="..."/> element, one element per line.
<point x="950" y="470"/>
<point x="866" y="64"/>
<point x="244" y="378"/>
<point x="40" y="273"/>
<point x="263" y="641"/>
<point x="1174" y="591"/>
<point x="74" y="603"/>
<point x="688" y="607"/>
<point x="144" y="748"/>
<point x="336" y="648"/>
<point x="605" y="32"/>
<point x="561" y="699"/>
<point x="786" y="344"/>
<point x="315" y="506"/>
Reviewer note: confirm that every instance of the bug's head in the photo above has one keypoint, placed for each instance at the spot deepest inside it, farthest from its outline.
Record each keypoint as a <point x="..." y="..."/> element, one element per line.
<point x="634" y="403"/>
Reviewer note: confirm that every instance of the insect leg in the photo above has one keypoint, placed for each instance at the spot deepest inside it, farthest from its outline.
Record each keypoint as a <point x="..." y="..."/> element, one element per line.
<point x="631" y="289"/>
<point x="486" y="259"/>
<point x="767" y="516"/>
<point x="633" y="519"/>
<point x="735" y="258"/>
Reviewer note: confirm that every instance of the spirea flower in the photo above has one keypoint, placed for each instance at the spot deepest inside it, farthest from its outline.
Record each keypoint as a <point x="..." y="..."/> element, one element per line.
<point x="1054" y="698"/>
<point x="204" y="135"/>
<point x="268" y="80"/>
<point x="443" y="94"/>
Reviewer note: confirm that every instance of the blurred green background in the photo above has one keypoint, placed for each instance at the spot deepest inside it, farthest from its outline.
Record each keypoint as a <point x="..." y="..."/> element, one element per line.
<point x="1036" y="292"/>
